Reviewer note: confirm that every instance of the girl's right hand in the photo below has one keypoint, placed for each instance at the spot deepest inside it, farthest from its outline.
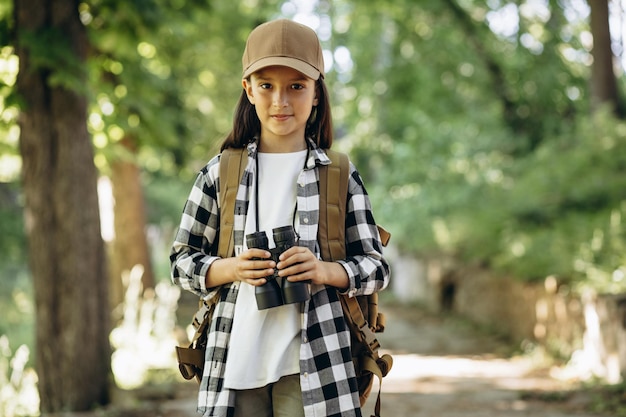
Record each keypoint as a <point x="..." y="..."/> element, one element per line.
<point x="251" y="266"/>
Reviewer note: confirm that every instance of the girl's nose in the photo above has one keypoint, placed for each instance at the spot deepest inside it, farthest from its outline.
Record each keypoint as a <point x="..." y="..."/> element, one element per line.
<point x="280" y="99"/>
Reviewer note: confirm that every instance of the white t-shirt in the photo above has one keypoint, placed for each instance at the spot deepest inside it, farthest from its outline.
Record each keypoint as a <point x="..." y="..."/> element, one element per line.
<point x="265" y="344"/>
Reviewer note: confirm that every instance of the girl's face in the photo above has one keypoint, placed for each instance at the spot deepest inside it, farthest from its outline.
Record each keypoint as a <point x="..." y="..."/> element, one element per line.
<point x="283" y="99"/>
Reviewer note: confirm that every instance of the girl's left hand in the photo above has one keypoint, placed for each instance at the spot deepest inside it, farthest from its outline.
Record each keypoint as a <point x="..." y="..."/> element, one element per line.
<point x="300" y="264"/>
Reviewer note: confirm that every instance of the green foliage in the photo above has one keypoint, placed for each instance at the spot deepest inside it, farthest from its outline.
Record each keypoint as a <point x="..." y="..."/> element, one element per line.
<point x="474" y="143"/>
<point x="480" y="146"/>
<point x="569" y="194"/>
<point x="608" y="399"/>
<point x="16" y="291"/>
<point x="13" y="243"/>
<point x="165" y="197"/>
<point x="168" y="79"/>
<point x="6" y="9"/>
<point x="50" y="52"/>
<point x="16" y="295"/>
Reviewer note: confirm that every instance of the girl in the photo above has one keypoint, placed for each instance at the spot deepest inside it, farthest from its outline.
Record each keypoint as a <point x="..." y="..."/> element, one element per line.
<point x="292" y="359"/>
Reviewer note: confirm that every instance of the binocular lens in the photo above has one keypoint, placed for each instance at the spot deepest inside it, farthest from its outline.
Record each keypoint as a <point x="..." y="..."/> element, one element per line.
<point x="271" y="294"/>
<point x="257" y="240"/>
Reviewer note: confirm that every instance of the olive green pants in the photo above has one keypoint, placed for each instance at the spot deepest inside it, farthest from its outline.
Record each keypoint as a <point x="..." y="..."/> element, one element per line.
<point x="283" y="398"/>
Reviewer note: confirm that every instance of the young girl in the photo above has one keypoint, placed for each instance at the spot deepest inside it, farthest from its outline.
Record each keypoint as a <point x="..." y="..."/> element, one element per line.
<point x="292" y="359"/>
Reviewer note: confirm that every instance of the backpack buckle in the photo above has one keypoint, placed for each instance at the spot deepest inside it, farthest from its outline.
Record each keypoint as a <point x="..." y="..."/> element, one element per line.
<point x="198" y="318"/>
<point x="370" y="338"/>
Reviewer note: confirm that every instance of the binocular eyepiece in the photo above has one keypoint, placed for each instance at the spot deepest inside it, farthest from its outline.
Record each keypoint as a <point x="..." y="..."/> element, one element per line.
<point x="271" y="294"/>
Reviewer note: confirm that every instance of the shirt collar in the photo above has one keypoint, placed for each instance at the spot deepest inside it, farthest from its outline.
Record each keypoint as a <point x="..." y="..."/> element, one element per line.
<point x="317" y="156"/>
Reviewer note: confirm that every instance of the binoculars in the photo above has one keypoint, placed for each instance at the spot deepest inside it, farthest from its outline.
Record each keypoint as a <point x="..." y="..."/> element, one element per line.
<point x="271" y="294"/>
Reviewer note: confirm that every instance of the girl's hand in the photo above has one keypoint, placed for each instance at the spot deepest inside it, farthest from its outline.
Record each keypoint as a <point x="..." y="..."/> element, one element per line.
<point x="253" y="266"/>
<point x="300" y="264"/>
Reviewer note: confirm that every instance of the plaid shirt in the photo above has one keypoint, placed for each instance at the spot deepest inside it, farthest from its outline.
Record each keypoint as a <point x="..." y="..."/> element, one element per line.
<point x="327" y="374"/>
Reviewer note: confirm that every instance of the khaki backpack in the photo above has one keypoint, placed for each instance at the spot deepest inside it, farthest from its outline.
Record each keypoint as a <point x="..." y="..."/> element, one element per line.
<point x="361" y="312"/>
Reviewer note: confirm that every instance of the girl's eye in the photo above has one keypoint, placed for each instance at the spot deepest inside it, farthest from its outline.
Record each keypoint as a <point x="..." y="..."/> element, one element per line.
<point x="297" y="86"/>
<point x="266" y="86"/>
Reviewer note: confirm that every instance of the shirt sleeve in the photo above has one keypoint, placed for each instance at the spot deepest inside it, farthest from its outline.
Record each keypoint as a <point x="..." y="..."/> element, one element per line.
<point x="368" y="271"/>
<point x="195" y="244"/>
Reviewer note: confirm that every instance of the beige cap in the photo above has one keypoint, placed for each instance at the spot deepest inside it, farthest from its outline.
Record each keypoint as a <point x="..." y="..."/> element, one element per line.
<point x="283" y="42"/>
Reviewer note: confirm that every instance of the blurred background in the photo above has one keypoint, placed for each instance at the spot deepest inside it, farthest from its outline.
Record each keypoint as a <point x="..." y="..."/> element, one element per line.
<point x="490" y="135"/>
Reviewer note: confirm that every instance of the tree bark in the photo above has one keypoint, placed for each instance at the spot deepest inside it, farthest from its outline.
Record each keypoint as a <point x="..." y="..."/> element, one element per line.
<point x="603" y="80"/>
<point x="130" y="246"/>
<point x="67" y="257"/>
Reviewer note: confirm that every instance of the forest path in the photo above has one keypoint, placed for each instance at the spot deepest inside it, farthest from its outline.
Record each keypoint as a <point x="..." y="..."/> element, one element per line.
<point x="443" y="367"/>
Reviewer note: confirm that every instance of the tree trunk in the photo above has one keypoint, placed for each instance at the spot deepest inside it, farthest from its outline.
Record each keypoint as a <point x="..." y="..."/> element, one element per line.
<point x="130" y="246"/>
<point x="603" y="80"/>
<point x="67" y="256"/>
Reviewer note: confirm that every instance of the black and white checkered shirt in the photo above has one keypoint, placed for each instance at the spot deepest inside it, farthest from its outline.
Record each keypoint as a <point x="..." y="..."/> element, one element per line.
<point x="326" y="371"/>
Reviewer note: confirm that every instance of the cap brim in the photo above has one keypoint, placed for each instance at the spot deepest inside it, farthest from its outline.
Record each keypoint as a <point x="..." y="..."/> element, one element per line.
<point x="296" y="64"/>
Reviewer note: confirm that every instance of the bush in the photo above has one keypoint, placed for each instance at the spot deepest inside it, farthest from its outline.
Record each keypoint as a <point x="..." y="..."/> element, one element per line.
<point x="554" y="211"/>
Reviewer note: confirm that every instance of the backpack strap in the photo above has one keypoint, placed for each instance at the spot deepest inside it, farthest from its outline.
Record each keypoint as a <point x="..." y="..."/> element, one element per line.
<point x="332" y="210"/>
<point x="191" y="358"/>
<point x="334" y="180"/>
<point x="333" y="193"/>
<point x="333" y="200"/>
<point x="233" y="162"/>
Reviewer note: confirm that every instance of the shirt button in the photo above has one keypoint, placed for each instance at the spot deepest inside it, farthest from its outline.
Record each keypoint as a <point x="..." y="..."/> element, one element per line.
<point x="306" y="220"/>
<point x="306" y="374"/>
<point x="305" y="340"/>
<point x="301" y="184"/>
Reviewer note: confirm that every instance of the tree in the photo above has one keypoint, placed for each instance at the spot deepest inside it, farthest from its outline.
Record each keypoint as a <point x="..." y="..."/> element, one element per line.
<point x="603" y="80"/>
<point x="67" y="257"/>
<point x="130" y="246"/>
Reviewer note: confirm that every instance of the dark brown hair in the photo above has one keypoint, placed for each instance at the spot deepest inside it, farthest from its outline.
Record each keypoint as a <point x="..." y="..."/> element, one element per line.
<point x="247" y="126"/>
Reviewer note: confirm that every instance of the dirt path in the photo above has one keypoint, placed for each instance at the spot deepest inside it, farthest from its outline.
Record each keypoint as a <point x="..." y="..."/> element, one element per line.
<point x="443" y="367"/>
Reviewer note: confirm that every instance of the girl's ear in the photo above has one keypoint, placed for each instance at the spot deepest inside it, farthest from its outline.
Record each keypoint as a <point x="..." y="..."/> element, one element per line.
<point x="247" y="87"/>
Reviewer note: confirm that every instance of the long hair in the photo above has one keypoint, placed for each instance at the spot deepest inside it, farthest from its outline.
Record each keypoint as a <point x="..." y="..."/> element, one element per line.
<point x="247" y="126"/>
